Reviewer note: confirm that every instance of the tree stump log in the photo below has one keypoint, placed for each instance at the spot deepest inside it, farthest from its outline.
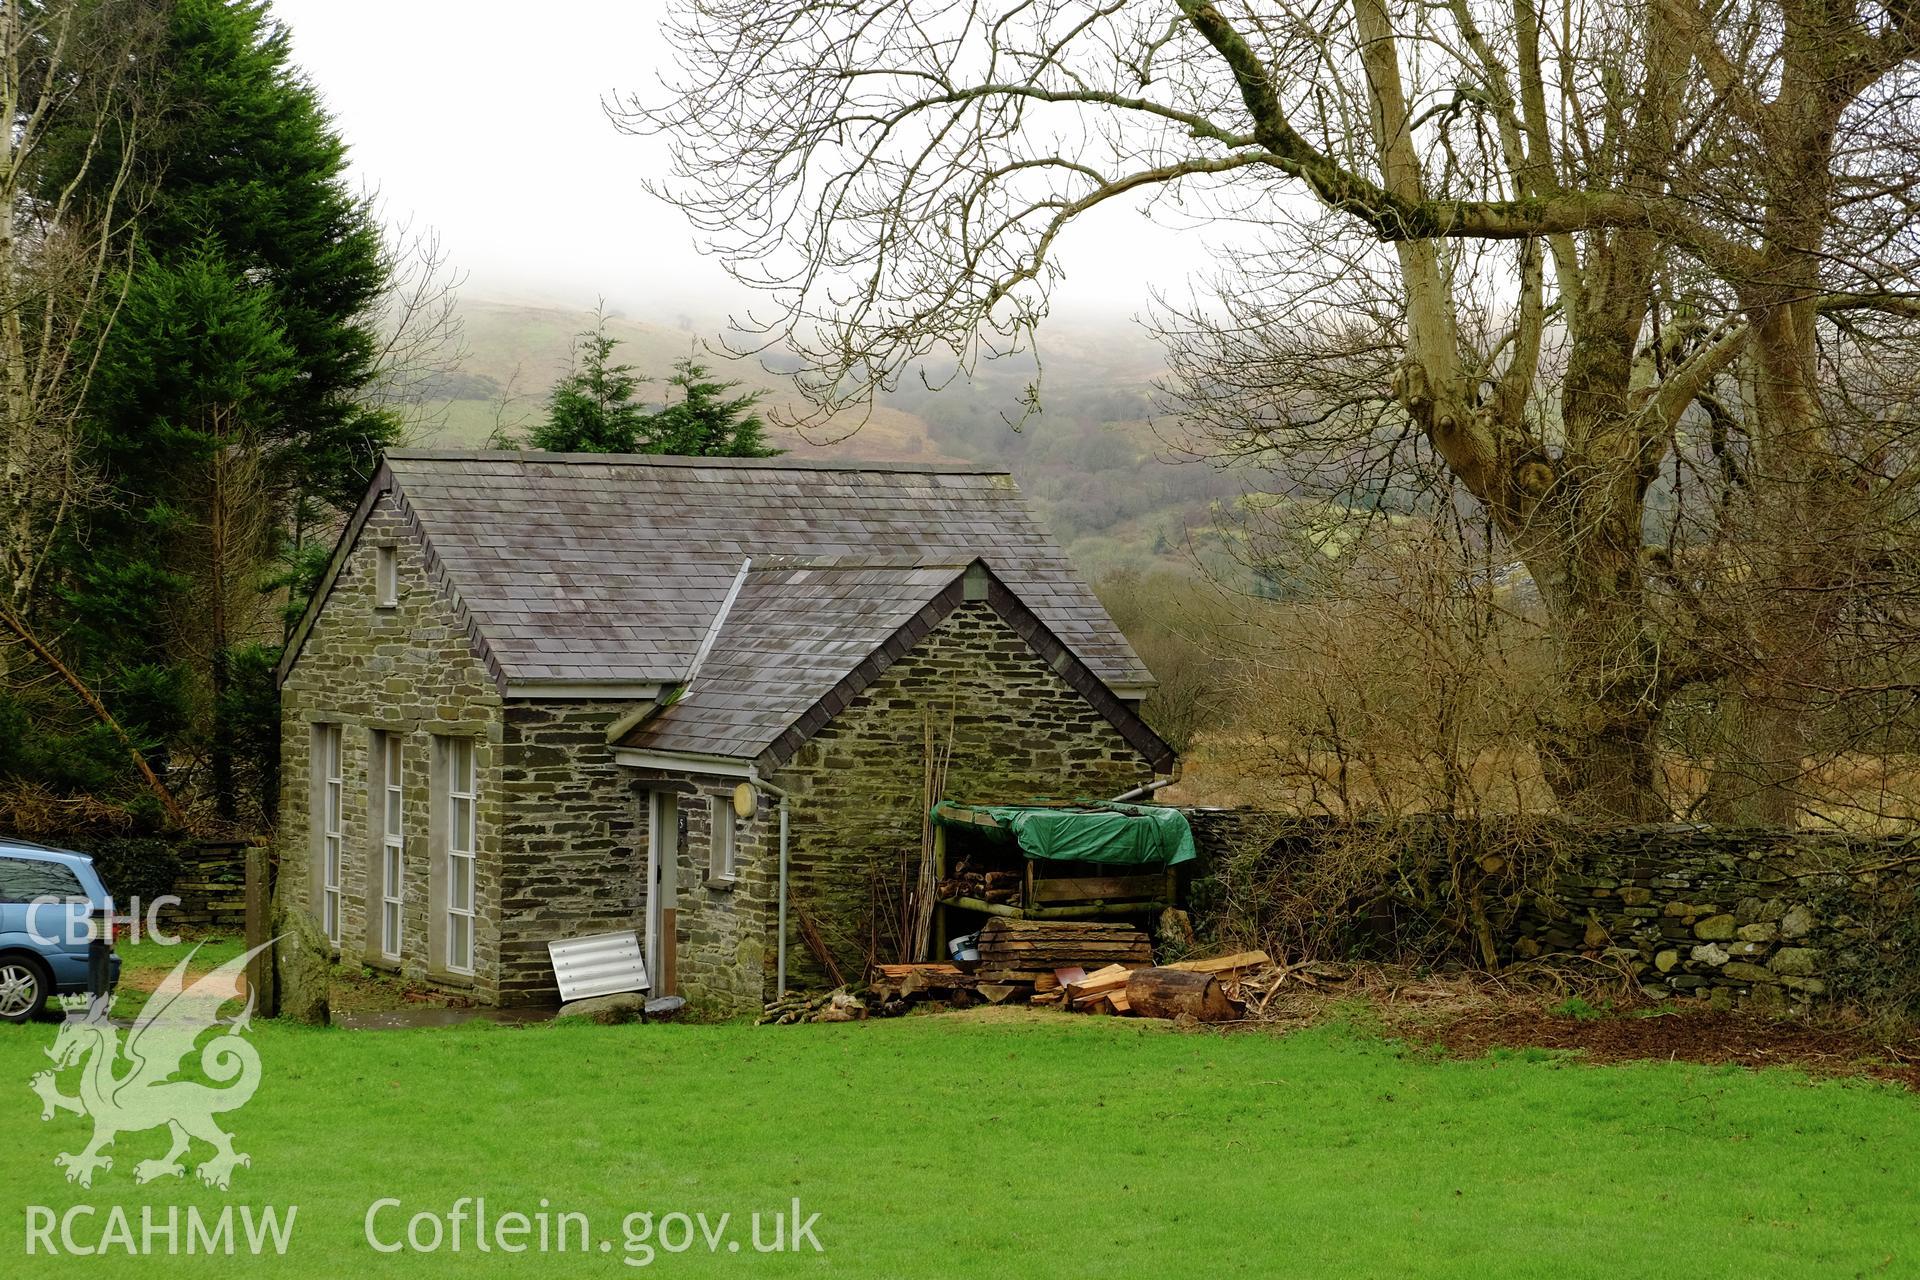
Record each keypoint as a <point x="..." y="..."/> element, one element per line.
<point x="1168" y="993"/>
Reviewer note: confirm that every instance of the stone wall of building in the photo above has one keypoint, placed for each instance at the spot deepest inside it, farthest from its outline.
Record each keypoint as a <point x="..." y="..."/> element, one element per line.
<point x="562" y="829"/>
<point x="723" y="935"/>
<point x="573" y="851"/>
<point x="412" y="670"/>
<point x="1019" y="733"/>
<point x="1775" y="920"/>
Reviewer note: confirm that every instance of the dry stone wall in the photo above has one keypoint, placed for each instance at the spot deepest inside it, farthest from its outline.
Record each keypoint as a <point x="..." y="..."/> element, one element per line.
<point x="1788" y="921"/>
<point x="212" y="888"/>
<point x="1775" y="920"/>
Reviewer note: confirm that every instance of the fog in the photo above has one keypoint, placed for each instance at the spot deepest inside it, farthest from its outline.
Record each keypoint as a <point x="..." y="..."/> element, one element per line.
<point x="482" y="119"/>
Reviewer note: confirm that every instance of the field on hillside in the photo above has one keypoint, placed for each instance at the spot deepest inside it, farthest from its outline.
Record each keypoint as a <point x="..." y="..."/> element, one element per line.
<point x="516" y="352"/>
<point x="997" y="1143"/>
<point x="1094" y="465"/>
<point x="1851" y="792"/>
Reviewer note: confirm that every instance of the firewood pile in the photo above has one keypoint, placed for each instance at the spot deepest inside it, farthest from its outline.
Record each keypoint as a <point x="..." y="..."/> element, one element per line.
<point x="838" y="1005"/>
<point x="1028" y="952"/>
<point x="895" y="988"/>
<point x="975" y="878"/>
<point x="1243" y="986"/>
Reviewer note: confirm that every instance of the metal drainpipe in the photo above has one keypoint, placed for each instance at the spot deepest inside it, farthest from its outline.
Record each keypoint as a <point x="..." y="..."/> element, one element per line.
<point x="780" y="970"/>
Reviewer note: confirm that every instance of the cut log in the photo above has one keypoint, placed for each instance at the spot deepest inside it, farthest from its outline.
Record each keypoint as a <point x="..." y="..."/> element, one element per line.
<point x="905" y="980"/>
<point x="937" y="971"/>
<point x="1168" y="993"/>
<point x="1234" y="963"/>
<point x="1024" y="976"/>
<point x="1099" y="982"/>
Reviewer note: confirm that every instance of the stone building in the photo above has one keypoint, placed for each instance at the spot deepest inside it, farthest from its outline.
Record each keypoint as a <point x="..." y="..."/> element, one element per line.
<point x="544" y="695"/>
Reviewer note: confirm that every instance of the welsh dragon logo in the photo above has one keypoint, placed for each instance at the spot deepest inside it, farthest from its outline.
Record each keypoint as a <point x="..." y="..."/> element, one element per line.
<point x="130" y="1087"/>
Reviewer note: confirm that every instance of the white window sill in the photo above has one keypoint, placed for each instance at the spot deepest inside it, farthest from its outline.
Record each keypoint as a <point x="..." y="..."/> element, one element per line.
<point x="721" y="883"/>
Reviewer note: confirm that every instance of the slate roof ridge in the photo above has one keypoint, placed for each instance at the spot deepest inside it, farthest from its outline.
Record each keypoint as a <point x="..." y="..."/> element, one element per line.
<point x="784" y="462"/>
<point x="858" y="563"/>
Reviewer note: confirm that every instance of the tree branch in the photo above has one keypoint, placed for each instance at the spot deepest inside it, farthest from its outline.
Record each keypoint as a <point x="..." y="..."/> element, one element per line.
<point x="14" y="623"/>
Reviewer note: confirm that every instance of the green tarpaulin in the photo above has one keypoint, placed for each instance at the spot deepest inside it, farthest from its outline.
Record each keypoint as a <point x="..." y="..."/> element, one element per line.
<point x="1119" y="834"/>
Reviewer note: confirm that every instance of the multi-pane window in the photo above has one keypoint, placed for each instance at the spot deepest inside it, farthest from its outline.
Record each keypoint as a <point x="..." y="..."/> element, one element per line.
<point x="386" y="577"/>
<point x="462" y="789"/>
<point x="720" y="855"/>
<point x="392" y="826"/>
<point x="330" y="791"/>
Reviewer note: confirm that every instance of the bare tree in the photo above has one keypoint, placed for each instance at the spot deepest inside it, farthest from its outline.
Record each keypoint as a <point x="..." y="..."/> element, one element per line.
<point x="1536" y="250"/>
<point x="423" y="335"/>
<point x="70" y="86"/>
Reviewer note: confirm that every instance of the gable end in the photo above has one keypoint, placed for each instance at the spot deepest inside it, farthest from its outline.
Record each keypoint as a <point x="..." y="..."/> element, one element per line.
<point x="383" y="483"/>
<point x="1024" y="623"/>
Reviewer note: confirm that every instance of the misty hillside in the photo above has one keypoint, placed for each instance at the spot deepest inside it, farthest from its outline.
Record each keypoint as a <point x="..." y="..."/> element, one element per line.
<point x="1090" y="460"/>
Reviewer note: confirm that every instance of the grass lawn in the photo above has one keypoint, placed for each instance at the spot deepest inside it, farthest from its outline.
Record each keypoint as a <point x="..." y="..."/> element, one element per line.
<point x="145" y="963"/>
<point x="1006" y="1143"/>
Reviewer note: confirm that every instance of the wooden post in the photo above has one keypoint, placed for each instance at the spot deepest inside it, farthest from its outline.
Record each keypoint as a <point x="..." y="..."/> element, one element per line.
<point x="259" y="896"/>
<point x="670" y="950"/>
<point x="939" y="904"/>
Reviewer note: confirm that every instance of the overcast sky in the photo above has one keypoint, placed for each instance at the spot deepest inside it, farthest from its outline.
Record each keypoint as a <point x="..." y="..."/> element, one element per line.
<point x="482" y="119"/>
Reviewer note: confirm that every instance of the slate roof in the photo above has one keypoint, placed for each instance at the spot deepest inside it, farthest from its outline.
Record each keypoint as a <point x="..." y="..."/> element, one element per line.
<point x="598" y="568"/>
<point x="790" y="637"/>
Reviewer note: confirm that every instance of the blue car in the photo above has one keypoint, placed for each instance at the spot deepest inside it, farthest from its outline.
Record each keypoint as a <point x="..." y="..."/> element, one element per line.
<point x="56" y="929"/>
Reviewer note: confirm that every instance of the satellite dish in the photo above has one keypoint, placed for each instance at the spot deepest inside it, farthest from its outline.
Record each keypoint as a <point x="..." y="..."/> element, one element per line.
<point x="745" y="801"/>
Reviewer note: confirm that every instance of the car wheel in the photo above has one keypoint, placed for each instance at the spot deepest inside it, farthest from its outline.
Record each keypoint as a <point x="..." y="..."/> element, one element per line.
<point x="24" y="987"/>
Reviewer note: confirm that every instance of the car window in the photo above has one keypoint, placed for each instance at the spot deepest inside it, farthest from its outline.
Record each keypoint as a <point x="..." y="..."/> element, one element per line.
<point x="23" y="880"/>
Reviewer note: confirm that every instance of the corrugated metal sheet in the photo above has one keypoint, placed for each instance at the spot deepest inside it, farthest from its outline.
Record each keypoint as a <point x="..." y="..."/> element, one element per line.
<point x="600" y="964"/>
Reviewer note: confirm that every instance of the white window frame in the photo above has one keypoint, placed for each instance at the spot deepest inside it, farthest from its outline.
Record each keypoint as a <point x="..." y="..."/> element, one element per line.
<point x="723" y="839"/>
<point x="463" y="783"/>
<point x="330" y="800"/>
<point x="392" y="828"/>
<point x="386" y="576"/>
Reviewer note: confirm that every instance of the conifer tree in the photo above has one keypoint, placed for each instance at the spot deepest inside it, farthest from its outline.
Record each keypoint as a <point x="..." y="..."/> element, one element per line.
<point x="236" y="388"/>
<point x="705" y="422"/>
<point x="592" y="409"/>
